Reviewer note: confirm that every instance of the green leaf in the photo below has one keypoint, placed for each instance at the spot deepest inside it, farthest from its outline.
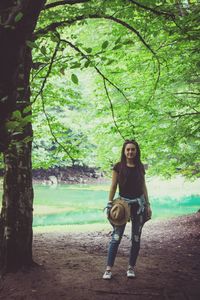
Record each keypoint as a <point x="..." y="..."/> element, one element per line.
<point x="12" y="125"/>
<point x="75" y="65"/>
<point x="27" y="109"/>
<point x="26" y="120"/>
<point x="16" y="115"/>
<point x="117" y="47"/>
<point x="31" y="44"/>
<point x="27" y="139"/>
<point x="118" y="40"/>
<point x="127" y="42"/>
<point x="86" y="63"/>
<point x="55" y="37"/>
<point x="104" y="45"/>
<point x="110" y="61"/>
<point x="18" y="17"/>
<point x="88" y="50"/>
<point x="62" y="71"/>
<point x="74" y="78"/>
<point x="43" y="50"/>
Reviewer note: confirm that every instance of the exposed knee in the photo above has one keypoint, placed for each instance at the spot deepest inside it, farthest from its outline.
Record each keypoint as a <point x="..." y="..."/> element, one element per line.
<point x="116" y="238"/>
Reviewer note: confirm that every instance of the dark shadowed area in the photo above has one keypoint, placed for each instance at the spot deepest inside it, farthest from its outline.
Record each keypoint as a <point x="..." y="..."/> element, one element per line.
<point x="71" y="265"/>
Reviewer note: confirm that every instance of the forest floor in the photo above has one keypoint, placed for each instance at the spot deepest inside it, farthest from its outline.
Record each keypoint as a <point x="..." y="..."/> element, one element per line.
<point x="71" y="265"/>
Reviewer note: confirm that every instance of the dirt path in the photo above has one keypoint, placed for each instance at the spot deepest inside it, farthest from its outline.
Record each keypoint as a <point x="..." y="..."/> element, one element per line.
<point x="72" y="266"/>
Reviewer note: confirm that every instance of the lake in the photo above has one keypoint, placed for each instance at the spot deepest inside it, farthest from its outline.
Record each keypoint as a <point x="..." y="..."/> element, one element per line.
<point x="61" y="205"/>
<point x="78" y="204"/>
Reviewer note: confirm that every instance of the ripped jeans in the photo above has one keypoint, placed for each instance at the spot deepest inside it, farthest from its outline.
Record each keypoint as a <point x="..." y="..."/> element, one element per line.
<point x="137" y="221"/>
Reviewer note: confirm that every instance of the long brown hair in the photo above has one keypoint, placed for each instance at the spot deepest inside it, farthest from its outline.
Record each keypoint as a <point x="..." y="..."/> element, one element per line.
<point x="137" y="161"/>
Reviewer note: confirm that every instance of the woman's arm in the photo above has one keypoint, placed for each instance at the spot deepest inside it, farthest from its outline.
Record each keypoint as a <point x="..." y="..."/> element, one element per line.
<point x="149" y="212"/>
<point x="146" y="194"/>
<point x="113" y="186"/>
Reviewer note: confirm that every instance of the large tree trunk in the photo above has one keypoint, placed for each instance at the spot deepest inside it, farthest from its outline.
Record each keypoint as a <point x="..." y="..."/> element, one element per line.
<point x="16" y="214"/>
<point x="15" y="141"/>
<point x="18" y="21"/>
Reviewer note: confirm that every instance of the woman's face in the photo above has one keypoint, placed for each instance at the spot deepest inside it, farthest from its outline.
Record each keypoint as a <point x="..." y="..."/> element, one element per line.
<point x="130" y="151"/>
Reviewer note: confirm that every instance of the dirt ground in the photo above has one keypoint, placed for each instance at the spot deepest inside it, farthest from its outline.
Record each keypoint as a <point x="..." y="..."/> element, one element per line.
<point x="72" y="264"/>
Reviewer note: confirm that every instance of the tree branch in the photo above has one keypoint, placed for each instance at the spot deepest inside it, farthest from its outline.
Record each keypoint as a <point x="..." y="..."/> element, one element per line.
<point x="97" y="69"/>
<point x="64" y="2"/>
<point x="157" y="79"/>
<point x="43" y="66"/>
<point x="105" y="79"/>
<point x="131" y="28"/>
<point x="53" y="26"/>
<point x="112" y="110"/>
<point x="188" y="93"/>
<point x="40" y="93"/>
<point x="52" y="133"/>
<point x="185" y="102"/>
<point x="153" y="10"/>
<point x="184" y="115"/>
<point x="48" y="72"/>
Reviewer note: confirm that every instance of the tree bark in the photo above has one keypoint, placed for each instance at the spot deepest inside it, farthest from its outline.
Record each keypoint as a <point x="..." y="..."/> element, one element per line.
<point x="17" y="206"/>
<point x="14" y="33"/>
<point x="16" y="214"/>
<point x="15" y="65"/>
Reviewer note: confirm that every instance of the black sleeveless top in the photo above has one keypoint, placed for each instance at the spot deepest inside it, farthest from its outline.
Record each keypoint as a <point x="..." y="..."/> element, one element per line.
<point x="132" y="187"/>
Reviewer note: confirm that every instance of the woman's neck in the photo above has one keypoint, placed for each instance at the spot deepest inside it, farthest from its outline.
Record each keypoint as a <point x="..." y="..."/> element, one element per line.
<point x="130" y="162"/>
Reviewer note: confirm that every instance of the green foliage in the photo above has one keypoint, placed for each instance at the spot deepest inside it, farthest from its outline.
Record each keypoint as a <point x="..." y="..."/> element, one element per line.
<point x="110" y="81"/>
<point x="17" y="122"/>
<point x="31" y="44"/>
<point x="74" y="78"/>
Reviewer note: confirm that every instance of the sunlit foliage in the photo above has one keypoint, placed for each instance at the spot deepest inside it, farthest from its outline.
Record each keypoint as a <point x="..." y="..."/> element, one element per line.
<point x="105" y="71"/>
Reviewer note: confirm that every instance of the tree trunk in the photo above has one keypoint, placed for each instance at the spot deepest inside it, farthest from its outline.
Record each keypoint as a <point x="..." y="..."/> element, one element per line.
<point x="16" y="214"/>
<point x="17" y="206"/>
<point x="16" y="143"/>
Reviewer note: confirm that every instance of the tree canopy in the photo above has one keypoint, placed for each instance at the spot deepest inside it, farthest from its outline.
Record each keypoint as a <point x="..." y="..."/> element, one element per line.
<point x="104" y="71"/>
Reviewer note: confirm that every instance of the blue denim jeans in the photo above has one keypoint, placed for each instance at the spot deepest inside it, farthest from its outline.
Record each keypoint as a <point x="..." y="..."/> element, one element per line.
<point x="137" y="222"/>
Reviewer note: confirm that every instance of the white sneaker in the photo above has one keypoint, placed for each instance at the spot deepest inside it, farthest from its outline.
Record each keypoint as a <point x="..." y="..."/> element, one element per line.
<point x="107" y="275"/>
<point x="130" y="273"/>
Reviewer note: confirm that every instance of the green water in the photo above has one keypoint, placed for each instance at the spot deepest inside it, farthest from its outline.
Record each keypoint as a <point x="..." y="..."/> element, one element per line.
<point x="83" y="204"/>
<point x="69" y="205"/>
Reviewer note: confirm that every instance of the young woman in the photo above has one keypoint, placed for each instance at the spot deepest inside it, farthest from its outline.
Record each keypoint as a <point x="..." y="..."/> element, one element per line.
<point x="129" y="175"/>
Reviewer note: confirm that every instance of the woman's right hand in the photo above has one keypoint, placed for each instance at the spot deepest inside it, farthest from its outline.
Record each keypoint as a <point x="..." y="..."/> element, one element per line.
<point x="108" y="208"/>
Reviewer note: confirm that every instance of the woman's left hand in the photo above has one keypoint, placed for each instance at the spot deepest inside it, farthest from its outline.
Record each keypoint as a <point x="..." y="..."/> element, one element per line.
<point x="149" y="212"/>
